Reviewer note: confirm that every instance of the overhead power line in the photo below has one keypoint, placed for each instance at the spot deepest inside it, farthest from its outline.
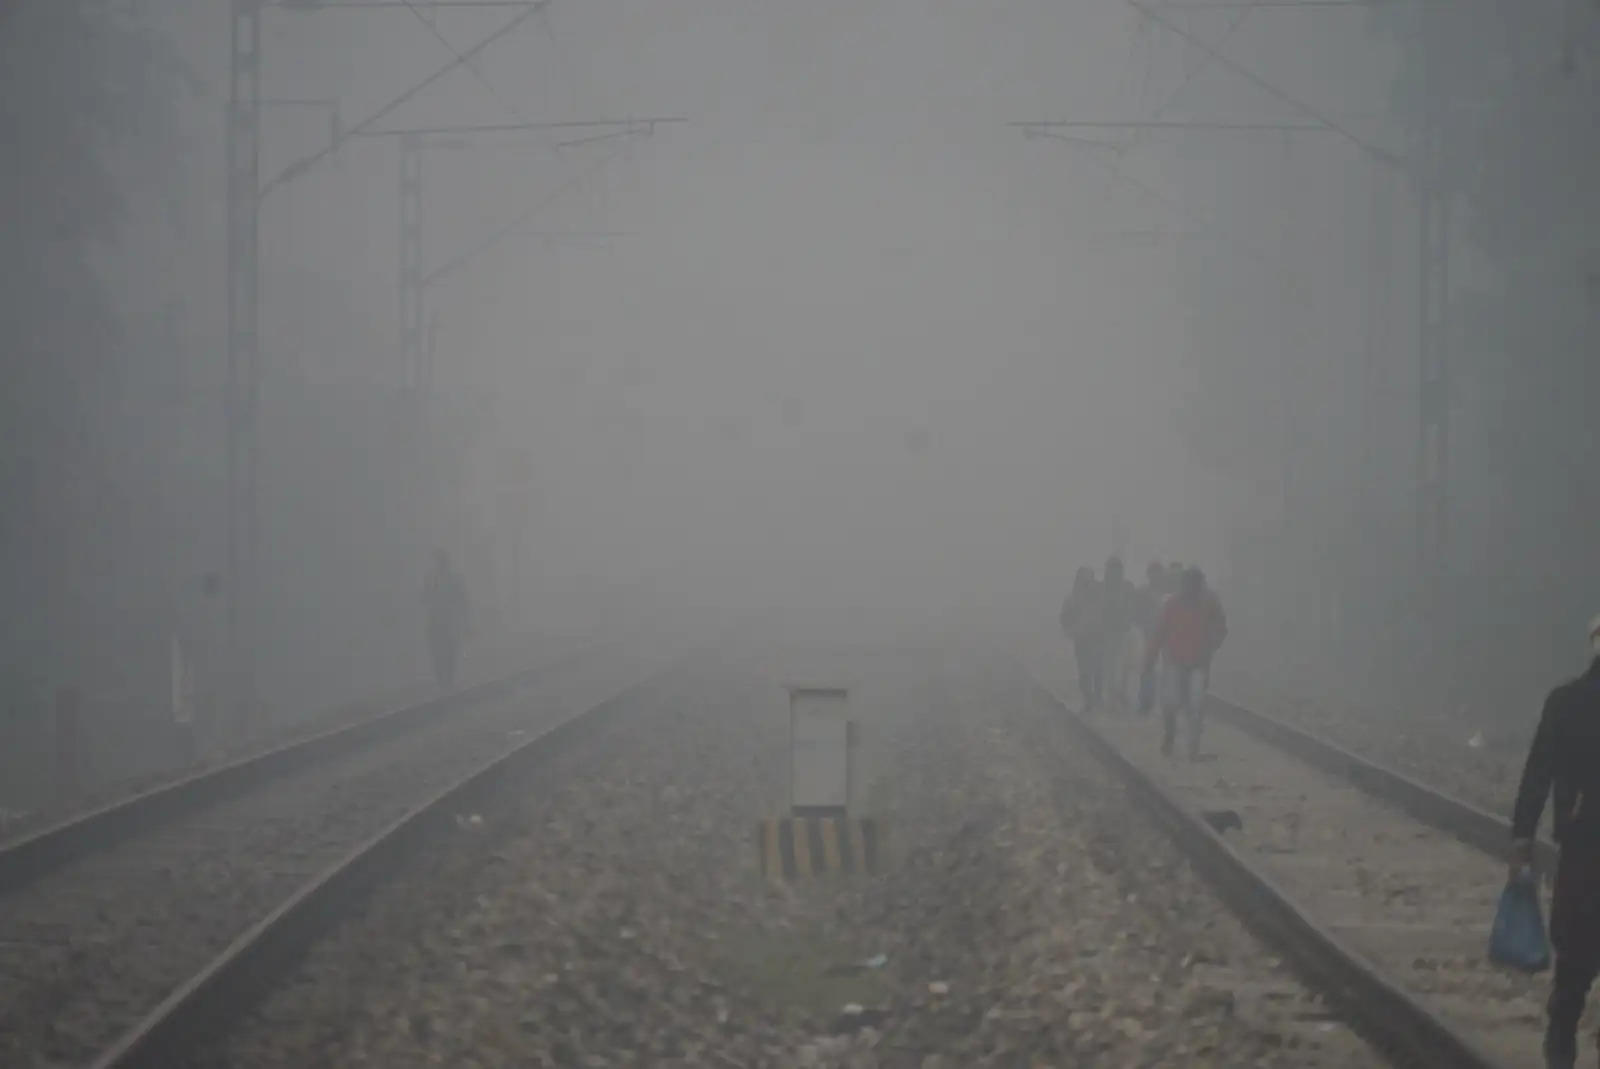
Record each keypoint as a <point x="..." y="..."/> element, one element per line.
<point x="632" y="126"/>
<point x="1169" y="124"/>
<point x="435" y="5"/>
<point x="1322" y="118"/>
<point x="1252" y="5"/>
<point x="1182" y="87"/>
<point x="306" y="162"/>
<point x="1121" y="149"/>
<point x="1198" y="222"/>
<point x="1114" y="147"/>
<point x="592" y="138"/>
<point x="477" y="72"/>
<point x="517" y="225"/>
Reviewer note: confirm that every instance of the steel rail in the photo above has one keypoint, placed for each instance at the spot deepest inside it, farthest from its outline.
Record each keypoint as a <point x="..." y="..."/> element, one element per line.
<point x="1477" y="828"/>
<point x="31" y="856"/>
<point x="213" y="999"/>
<point x="1388" y="1017"/>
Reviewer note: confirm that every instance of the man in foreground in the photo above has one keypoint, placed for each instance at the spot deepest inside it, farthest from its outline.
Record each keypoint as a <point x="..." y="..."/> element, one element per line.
<point x="1565" y="760"/>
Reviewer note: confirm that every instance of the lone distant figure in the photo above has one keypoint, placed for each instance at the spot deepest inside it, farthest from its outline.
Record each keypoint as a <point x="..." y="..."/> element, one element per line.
<point x="444" y="599"/>
<point x="1565" y="760"/>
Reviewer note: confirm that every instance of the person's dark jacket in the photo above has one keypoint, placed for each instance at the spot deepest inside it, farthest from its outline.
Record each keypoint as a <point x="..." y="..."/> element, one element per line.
<point x="1117" y="608"/>
<point x="1565" y="759"/>
<point x="1147" y="602"/>
<point x="444" y="598"/>
<point x="1083" y="613"/>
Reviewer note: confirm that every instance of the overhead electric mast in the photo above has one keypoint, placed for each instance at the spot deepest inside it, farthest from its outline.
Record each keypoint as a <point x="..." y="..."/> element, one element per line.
<point x="242" y="391"/>
<point x="239" y="415"/>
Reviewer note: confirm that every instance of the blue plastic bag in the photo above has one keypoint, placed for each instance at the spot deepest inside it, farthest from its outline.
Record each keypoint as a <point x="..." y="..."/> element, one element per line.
<point x="1517" y="939"/>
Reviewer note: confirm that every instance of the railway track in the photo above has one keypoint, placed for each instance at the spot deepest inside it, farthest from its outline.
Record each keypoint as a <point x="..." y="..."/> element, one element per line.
<point x="144" y="950"/>
<point x="615" y="914"/>
<point x="34" y="851"/>
<point x="123" y="929"/>
<point x="558" y="935"/>
<point x="1379" y="888"/>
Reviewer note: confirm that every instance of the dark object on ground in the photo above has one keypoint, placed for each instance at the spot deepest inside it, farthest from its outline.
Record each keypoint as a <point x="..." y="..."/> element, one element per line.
<point x="1222" y="820"/>
<point x="855" y="1018"/>
<point x="848" y="968"/>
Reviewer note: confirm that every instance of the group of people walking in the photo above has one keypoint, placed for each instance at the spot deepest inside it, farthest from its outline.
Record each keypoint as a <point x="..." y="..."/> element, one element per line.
<point x="1165" y="634"/>
<point x="1162" y="634"/>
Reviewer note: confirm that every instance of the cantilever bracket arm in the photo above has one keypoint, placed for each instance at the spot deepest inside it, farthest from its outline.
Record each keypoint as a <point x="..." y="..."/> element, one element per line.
<point x="462" y="59"/>
<point x="430" y="5"/>
<point x="516" y="225"/>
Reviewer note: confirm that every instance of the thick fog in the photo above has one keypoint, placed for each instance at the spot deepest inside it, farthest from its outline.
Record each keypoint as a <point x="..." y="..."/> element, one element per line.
<point x="846" y="346"/>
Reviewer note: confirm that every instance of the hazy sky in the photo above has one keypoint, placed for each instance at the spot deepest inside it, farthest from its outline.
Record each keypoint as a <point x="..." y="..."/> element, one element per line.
<point x="857" y="325"/>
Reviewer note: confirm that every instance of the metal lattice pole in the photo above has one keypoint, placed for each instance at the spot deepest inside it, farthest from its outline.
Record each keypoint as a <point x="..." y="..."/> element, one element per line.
<point x="1288" y="340"/>
<point x="243" y="373"/>
<point x="412" y="340"/>
<point x="1433" y="353"/>
<point x="417" y="339"/>
<point x="411" y="316"/>
<point x="1376" y="303"/>
<point x="245" y="194"/>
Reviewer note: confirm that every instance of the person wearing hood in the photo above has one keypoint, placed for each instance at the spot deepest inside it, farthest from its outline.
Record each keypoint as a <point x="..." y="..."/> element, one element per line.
<point x="1563" y="766"/>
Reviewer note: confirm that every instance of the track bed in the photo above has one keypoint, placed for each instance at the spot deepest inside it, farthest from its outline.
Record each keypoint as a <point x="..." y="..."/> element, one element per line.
<point x="89" y="948"/>
<point x="1413" y="900"/>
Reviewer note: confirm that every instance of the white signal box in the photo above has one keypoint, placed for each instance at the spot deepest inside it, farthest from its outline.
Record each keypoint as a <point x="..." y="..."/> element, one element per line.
<point x="822" y="748"/>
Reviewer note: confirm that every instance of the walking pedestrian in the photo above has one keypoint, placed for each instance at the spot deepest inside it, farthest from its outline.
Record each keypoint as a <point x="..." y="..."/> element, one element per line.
<point x="1147" y="603"/>
<point x="196" y="662"/>
<point x="1116" y="617"/>
<point x="1188" y="634"/>
<point x="445" y="605"/>
<point x="1564" y="760"/>
<point x="1081" y="621"/>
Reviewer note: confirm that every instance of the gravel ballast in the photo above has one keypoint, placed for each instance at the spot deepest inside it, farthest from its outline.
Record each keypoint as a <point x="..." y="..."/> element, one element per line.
<point x="612" y="913"/>
<point x="1477" y="761"/>
<point x="90" y="947"/>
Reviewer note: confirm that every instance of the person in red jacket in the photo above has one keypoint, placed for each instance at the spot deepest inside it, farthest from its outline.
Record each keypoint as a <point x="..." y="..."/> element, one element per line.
<point x="1188" y="634"/>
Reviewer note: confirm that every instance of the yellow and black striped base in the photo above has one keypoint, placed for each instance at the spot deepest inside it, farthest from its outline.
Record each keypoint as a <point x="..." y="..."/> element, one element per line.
<point x="803" y="847"/>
